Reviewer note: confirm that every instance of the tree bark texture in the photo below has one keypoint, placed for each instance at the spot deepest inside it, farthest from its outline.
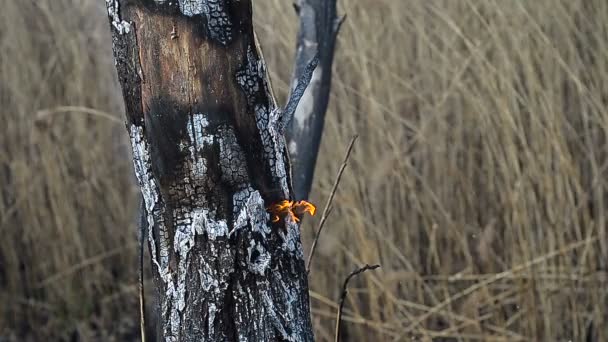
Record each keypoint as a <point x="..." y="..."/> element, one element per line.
<point x="319" y="26"/>
<point x="210" y="157"/>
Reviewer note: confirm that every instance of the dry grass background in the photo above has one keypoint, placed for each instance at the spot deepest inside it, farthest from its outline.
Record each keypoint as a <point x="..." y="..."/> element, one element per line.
<point x="478" y="182"/>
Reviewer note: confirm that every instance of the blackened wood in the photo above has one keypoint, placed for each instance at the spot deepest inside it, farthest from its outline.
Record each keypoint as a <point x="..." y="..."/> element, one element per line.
<point x="319" y="26"/>
<point x="210" y="157"/>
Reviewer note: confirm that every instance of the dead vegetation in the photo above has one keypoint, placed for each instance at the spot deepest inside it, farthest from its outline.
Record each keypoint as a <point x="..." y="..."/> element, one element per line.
<point x="478" y="181"/>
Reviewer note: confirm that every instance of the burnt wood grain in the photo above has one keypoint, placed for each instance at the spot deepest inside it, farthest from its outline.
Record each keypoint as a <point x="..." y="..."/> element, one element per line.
<point x="210" y="157"/>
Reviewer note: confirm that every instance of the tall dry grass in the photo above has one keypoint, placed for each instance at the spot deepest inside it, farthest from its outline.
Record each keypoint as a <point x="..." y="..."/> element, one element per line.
<point x="479" y="179"/>
<point x="67" y="248"/>
<point x="478" y="182"/>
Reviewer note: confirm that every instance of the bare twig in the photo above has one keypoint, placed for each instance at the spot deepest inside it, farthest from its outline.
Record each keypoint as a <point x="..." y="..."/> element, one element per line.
<point x="345" y="292"/>
<point x="327" y="209"/>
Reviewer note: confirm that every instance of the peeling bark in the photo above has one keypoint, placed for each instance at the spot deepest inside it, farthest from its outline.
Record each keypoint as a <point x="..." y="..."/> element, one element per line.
<point x="210" y="157"/>
<point x="319" y="26"/>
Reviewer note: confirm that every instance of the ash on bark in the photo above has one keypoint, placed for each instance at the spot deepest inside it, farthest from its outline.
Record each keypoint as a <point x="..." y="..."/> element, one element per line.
<point x="210" y="157"/>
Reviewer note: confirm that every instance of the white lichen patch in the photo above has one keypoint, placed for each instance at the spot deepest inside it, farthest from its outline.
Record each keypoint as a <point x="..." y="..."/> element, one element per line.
<point x="114" y="12"/>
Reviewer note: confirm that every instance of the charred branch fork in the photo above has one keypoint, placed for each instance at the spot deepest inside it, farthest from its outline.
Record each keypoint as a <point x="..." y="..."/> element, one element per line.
<point x="319" y="27"/>
<point x="210" y="157"/>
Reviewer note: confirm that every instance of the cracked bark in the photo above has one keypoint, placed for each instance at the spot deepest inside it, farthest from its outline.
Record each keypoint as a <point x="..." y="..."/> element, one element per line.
<point x="210" y="157"/>
<point x="319" y="26"/>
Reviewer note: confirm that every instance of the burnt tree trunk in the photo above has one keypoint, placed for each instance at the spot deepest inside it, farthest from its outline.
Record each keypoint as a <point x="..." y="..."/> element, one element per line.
<point x="210" y="157"/>
<point x="319" y="27"/>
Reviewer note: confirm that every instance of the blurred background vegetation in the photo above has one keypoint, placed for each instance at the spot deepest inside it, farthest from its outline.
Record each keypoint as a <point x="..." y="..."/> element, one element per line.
<point x="478" y="182"/>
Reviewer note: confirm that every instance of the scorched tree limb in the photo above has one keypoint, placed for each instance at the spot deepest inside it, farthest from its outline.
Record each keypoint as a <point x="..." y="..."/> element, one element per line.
<point x="319" y="27"/>
<point x="210" y="157"/>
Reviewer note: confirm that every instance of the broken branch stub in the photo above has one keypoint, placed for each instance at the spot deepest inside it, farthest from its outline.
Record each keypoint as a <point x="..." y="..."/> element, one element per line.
<point x="210" y="157"/>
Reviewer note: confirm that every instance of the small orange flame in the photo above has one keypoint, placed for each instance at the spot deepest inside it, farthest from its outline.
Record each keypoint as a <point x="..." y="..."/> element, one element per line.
<point x="293" y="209"/>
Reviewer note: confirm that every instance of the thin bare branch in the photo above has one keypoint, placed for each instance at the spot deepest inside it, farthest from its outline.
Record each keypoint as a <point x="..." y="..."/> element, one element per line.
<point x="327" y="209"/>
<point x="345" y="292"/>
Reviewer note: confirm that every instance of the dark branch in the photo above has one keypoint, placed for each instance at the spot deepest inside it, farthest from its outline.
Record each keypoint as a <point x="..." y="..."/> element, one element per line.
<point x="319" y="26"/>
<point x="296" y="94"/>
<point x="345" y="292"/>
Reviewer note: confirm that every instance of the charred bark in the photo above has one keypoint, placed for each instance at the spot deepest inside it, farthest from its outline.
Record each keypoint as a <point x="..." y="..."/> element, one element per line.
<point x="210" y="157"/>
<point x="319" y="26"/>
